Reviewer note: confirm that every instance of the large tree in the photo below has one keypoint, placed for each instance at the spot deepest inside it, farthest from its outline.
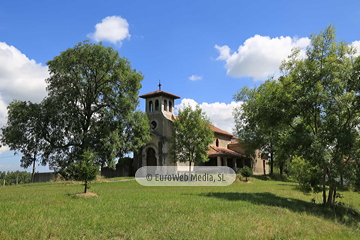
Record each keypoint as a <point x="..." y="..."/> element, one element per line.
<point x="91" y="104"/>
<point x="324" y="92"/>
<point x="191" y="136"/>
<point x="259" y="122"/>
<point x="318" y="98"/>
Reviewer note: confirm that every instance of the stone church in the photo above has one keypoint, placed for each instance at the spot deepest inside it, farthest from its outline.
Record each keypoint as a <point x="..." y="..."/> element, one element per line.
<point x="224" y="151"/>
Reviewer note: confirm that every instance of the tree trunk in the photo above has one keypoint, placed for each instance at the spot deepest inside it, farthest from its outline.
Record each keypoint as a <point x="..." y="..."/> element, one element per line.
<point x="324" y="184"/>
<point x="85" y="186"/>
<point x="190" y="170"/>
<point x="264" y="168"/>
<point x="33" y="172"/>
<point x="271" y="162"/>
<point x="330" y="201"/>
<point x="281" y="166"/>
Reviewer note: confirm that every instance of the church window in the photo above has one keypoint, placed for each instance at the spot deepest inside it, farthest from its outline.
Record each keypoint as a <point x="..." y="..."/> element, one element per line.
<point x="150" y="106"/>
<point x="217" y="142"/>
<point x="165" y="105"/>
<point x="170" y="106"/>
<point x="156" y="105"/>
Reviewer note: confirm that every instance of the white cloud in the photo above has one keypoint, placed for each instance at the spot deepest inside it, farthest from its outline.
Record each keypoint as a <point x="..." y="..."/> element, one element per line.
<point x="112" y="29"/>
<point x="3" y="149"/>
<point x="195" y="77"/>
<point x="220" y="114"/>
<point x="356" y="44"/>
<point x="260" y="56"/>
<point x="3" y="112"/>
<point x="20" y="78"/>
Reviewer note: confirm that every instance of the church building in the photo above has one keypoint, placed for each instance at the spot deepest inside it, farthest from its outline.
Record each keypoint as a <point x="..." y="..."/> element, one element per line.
<point x="224" y="151"/>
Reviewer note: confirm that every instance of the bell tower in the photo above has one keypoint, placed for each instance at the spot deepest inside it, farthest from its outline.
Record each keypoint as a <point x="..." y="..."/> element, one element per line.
<point x="159" y="108"/>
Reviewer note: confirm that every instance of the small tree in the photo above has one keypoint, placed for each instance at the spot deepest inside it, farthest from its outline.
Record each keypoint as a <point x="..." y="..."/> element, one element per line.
<point x="191" y="137"/>
<point x="246" y="172"/>
<point x="86" y="170"/>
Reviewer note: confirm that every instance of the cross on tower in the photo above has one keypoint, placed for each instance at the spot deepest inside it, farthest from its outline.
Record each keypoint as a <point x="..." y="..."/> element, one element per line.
<point x="159" y="85"/>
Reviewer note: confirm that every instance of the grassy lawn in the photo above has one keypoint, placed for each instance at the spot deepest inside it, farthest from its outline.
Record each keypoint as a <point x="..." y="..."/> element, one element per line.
<point x="264" y="209"/>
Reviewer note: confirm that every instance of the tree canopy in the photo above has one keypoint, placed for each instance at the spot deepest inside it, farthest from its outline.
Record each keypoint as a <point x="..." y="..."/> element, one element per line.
<point x="22" y="132"/>
<point x="91" y="104"/>
<point x="315" y="109"/>
<point x="191" y="136"/>
<point x="258" y="120"/>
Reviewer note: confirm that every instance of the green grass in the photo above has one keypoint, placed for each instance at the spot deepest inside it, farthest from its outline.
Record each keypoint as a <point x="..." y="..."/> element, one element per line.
<point x="264" y="209"/>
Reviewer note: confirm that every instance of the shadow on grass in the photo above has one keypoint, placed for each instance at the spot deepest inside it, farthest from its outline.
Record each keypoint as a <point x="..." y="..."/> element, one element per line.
<point x="340" y="213"/>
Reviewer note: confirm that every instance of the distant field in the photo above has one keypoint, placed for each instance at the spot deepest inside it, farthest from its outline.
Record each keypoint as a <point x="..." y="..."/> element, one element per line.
<point x="127" y="210"/>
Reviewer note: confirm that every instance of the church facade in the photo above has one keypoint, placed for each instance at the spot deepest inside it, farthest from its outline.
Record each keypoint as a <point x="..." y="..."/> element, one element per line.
<point x="224" y="151"/>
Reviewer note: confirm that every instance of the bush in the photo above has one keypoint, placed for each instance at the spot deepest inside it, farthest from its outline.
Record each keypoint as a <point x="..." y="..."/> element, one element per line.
<point x="308" y="176"/>
<point x="246" y="172"/>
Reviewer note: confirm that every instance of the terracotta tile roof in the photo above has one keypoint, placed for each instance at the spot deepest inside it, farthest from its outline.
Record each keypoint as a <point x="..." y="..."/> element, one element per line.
<point x="214" y="129"/>
<point x="159" y="93"/>
<point x="218" y="151"/>
<point x="218" y="130"/>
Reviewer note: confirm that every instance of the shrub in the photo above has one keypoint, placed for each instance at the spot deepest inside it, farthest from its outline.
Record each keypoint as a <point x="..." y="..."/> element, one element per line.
<point x="308" y="176"/>
<point x="246" y="172"/>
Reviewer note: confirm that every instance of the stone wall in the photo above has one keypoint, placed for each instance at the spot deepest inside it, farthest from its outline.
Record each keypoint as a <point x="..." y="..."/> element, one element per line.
<point x="123" y="169"/>
<point x="44" y="177"/>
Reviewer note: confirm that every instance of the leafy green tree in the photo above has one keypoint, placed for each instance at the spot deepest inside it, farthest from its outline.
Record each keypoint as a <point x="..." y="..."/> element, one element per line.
<point x="259" y="122"/>
<point x="21" y="133"/>
<point x="316" y="111"/>
<point x="246" y="172"/>
<point x="86" y="168"/>
<point x="91" y="104"/>
<point x="324" y="88"/>
<point x="191" y="137"/>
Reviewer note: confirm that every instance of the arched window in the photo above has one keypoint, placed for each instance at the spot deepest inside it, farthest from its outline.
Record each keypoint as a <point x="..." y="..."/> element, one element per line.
<point x="170" y="106"/>
<point x="150" y="106"/>
<point x="156" y="105"/>
<point x="217" y="142"/>
<point x="165" y="105"/>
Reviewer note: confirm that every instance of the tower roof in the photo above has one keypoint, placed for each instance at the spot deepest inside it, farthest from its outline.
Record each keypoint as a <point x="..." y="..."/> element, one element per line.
<point x="159" y="93"/>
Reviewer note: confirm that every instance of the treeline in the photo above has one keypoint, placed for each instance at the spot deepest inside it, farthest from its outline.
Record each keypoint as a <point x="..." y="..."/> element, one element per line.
<point x="14" y="178"/>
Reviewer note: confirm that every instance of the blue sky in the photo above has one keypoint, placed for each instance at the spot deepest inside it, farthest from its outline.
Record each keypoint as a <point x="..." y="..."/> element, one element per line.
<point x="203" y="51"/>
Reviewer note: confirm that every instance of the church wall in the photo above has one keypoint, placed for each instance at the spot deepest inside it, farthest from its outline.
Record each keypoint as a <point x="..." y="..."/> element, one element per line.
<point x="167" y="129"/>
<point x="223" y="140"/>
<point x="236" y="148"/>
<point x="258" y="167"/>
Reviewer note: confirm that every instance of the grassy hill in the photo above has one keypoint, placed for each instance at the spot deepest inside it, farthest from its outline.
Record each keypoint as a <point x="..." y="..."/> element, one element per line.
<point x="264" y="209"/>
